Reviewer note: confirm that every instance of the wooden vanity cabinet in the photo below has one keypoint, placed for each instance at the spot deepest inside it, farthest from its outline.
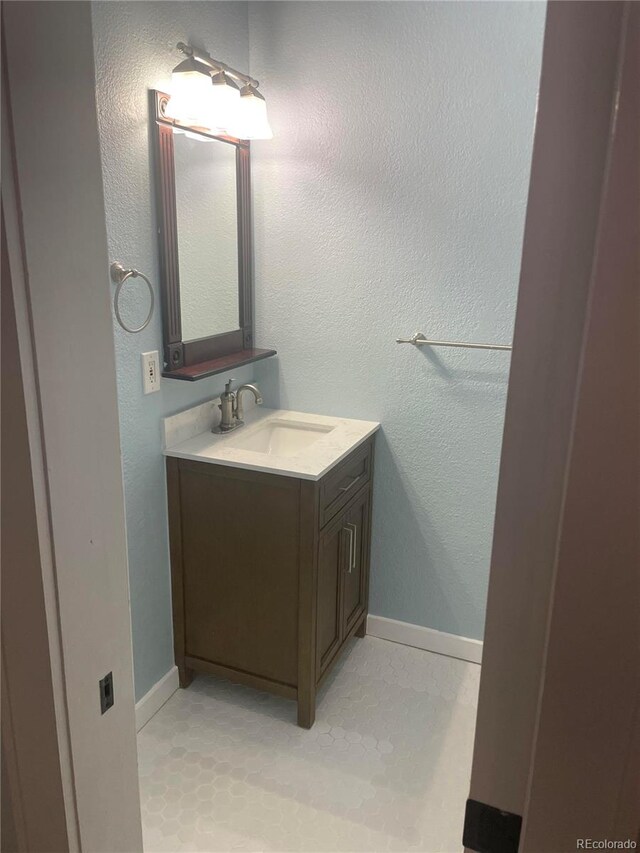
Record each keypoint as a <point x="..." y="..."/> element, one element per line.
<point x="270" y="573"/>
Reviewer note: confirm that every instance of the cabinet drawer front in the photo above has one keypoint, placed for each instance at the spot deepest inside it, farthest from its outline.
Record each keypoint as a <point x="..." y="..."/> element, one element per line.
<point x="340" y="485"/>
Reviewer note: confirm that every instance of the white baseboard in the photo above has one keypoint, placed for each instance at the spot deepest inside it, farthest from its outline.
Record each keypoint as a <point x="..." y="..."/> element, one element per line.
<point x="152" y="701"/>
<point x="425" y="638"/>
<point x="377" y="626"/>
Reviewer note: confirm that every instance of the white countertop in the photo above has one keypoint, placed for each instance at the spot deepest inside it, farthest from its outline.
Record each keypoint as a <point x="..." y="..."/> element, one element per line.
<point x="310" y="463"/>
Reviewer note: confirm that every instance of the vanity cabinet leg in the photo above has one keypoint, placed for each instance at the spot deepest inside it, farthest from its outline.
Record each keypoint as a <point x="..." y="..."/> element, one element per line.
<point x="307" y="710"/>
<point x="362" y="628"/>
<point x="185" y="675"/>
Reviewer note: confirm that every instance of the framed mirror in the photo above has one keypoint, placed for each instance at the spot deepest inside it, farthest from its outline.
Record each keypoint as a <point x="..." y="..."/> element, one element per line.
<point x="203" y="198"/>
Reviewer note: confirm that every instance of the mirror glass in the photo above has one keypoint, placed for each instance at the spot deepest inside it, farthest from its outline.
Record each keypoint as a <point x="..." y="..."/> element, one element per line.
<point x="207" y="220"/>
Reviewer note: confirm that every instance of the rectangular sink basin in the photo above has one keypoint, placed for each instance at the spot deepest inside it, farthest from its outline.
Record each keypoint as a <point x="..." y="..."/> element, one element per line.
<point x="280" y="437"/>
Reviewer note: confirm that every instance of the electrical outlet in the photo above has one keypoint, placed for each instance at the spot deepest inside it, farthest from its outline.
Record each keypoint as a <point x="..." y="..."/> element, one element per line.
<point x="106" y="692"/>
<point x="150" y="372"/>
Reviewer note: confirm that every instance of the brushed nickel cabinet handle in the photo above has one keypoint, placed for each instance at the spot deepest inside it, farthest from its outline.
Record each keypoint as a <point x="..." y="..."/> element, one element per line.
<point x="347" y="529"/>
<point x="355" y="546"/>
<point x="349" y="485"/>
<point x="352" y="530"/>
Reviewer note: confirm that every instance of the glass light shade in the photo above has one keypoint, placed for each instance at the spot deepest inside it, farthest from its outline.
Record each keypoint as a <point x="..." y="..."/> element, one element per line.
<point x="190" y="93"/>
<point x="223" y="102"/>
<point x="252" y="121"/>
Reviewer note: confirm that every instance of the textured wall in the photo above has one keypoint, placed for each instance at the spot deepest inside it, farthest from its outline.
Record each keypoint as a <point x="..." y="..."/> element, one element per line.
<point x="134" y="51"/>
<point x="392" y="200"/>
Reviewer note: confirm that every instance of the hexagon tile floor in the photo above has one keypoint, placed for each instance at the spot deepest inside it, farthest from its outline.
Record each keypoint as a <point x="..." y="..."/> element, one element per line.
<point x="385" y="767"/>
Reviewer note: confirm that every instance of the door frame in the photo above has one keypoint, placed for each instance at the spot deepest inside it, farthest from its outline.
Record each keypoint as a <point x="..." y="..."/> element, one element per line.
<point x="36" y="759"/>
<point x="52" y="199"/>
<point x="542" y="721"/>
<point x="45" y="719"/>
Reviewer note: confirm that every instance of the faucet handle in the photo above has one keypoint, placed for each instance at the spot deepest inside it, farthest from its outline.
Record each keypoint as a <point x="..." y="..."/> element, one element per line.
<point x="227" y="387"/>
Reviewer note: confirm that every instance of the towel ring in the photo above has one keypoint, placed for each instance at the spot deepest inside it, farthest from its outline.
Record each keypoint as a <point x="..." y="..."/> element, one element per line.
<point x="118" y="276"/>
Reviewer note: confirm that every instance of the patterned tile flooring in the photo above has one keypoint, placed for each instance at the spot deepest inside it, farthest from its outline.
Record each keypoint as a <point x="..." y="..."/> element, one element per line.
<point x="386" y="766"/>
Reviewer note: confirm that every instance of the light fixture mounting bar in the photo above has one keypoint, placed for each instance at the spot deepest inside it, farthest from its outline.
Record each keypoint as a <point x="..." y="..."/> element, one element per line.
<point x="203" y="56"/>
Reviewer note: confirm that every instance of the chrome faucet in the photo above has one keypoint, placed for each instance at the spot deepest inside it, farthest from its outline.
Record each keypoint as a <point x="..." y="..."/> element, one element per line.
<point x="231" y="407"/>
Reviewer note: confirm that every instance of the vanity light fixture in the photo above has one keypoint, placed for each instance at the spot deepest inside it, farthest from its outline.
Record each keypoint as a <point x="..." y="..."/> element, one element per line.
<point x="252" y="115"/>
<point x="225" y="98"/>
<point x="214" y="101"/>
<point x="190" y="101"/>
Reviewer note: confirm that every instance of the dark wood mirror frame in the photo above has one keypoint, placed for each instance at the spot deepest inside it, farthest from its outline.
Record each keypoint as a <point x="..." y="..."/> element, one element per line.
<point x="197" y="359"/>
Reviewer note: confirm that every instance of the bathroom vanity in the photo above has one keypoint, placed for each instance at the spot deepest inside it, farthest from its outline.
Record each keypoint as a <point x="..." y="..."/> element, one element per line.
<point x="269" y="520"/>
<point x="270" y="539"/>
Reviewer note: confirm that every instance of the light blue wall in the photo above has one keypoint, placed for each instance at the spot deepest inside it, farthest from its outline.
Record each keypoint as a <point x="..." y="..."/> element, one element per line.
<point x="135" y="50"/>
<point x="392" y="200"/>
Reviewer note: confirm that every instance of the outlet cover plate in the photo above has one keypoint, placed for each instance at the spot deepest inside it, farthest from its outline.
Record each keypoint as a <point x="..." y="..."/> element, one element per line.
<point x="150" y="372"/>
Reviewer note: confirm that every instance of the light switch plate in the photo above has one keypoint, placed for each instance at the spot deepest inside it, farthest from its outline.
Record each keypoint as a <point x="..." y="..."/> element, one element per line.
<point x="150" y="372"/>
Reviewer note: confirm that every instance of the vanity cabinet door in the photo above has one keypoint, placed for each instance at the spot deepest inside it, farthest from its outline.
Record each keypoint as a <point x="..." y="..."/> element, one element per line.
<point x="239" y="570"/>
<point x="355" y="527"/>
<point x="343" y="564"/>
<point x="329" y="598"/>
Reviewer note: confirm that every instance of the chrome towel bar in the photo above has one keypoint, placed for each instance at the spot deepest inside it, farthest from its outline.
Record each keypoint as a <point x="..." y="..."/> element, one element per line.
<point x="419" y="340"/>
